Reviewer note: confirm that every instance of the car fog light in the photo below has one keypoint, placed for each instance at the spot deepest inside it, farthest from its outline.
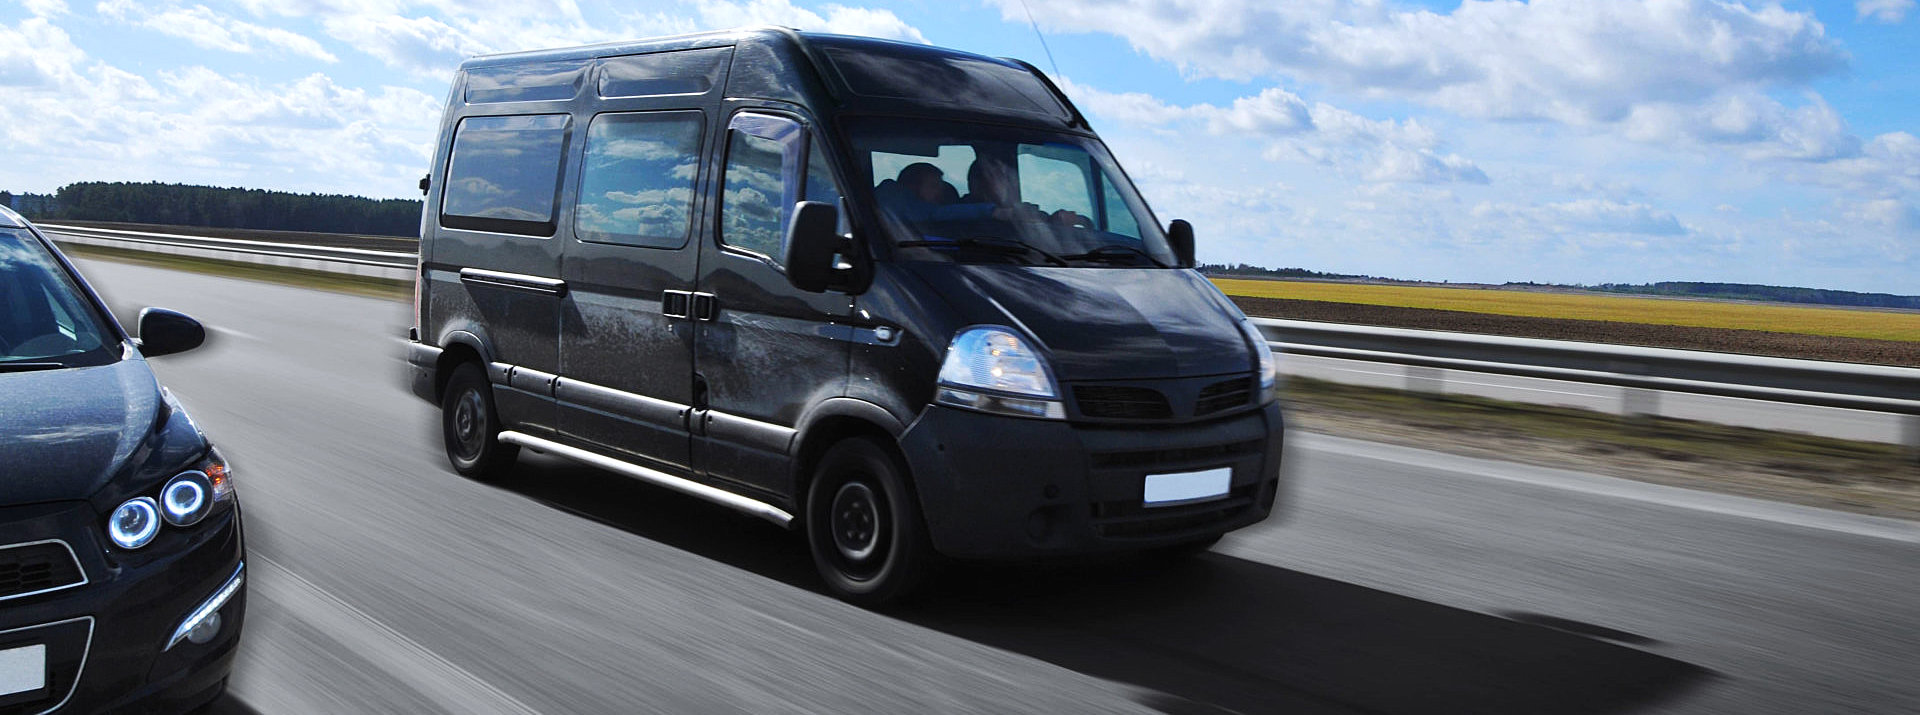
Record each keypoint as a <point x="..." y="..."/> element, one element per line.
<point x="204" y="632"/>
<point x="135" y="523"/>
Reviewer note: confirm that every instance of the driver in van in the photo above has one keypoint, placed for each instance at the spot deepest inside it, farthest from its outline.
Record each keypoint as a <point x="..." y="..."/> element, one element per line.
<point x="991" y="181"/>
<point x="919" y="195"/>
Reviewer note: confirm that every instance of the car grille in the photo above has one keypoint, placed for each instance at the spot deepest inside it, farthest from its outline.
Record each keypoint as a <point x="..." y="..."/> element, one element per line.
<point x="1122" y="402"/>
<point x="1224" y="395"/>
<point x="33" y="568"/>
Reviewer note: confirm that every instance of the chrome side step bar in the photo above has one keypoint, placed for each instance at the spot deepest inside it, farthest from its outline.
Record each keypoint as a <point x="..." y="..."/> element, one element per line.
<point x="653" y="476"/>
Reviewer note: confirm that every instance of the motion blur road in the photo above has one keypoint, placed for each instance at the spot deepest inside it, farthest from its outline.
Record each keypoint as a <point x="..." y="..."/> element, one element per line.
<point x="1400" y="580"/>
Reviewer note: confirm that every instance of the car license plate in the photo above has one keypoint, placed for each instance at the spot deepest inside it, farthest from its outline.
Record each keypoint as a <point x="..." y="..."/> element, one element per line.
<point x="23" y="670"/>
<point x="1187" y="487"/>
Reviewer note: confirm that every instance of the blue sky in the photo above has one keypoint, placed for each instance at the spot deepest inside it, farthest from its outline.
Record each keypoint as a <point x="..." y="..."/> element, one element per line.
<point x="1555" y="140"/>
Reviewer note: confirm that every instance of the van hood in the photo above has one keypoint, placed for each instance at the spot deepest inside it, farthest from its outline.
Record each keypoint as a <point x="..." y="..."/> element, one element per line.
<point x="1105" y="323"/>
<point x="65" y="434"/>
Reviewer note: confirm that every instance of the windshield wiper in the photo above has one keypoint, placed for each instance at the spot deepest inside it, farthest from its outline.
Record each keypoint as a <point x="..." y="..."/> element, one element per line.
<point x="29" y="366"/>
<point x="1114" y="251"/>
<point x="1003" y="245"/>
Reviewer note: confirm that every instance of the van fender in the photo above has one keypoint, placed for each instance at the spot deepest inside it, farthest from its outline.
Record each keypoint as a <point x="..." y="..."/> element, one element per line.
<point x="846" y="407"/>
<point x="472" y="338"/>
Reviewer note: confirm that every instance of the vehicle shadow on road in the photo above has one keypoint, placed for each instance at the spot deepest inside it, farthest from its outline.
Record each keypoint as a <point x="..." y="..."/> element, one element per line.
<point x="1212" y="634"/>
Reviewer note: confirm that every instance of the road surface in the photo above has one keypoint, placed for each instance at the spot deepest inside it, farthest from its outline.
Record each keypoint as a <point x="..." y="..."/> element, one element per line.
<point x="1399" y="580"/>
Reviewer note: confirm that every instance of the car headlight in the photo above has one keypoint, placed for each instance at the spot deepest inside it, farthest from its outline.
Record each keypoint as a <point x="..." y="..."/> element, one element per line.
<point x="187" y="499"/>
<point x="995" y="369"/>
<point x="135" y="523"/>
<point x="1264" y="363"/>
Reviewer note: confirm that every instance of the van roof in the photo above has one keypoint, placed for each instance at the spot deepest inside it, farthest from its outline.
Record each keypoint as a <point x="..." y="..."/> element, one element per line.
<point x="9" y="219"/>
<point x="829" y="54"/>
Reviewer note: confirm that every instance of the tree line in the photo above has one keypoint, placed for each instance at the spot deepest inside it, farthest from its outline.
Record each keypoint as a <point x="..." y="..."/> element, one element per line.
<point x="219" y="207"/>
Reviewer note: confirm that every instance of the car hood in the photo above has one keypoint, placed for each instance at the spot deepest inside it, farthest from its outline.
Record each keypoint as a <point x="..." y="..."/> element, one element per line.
<point x="1106" y="323"/>
<point x="65" y="434"/>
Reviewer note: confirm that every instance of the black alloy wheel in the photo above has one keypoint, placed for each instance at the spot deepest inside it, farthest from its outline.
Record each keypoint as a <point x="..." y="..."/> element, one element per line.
<point x="864" y="526"/>
<point x="471" y="427"/>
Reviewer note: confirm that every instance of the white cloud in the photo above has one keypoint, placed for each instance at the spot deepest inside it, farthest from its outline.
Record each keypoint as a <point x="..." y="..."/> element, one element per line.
<point x="1885" y="11"/>
<point x="68" y="117"/>
<point x="204" y="27"/>
<point x="45" y="8"/>
<point x="1367" y="149"/>
<point x="429" y="38"/>
<point x="1573" y="61"/>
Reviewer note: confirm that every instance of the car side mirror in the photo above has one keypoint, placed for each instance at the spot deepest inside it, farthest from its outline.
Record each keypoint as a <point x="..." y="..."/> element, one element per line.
<point x="813" y="239"/>
<point x="1180" y="239"/>
<point x="165" y="332"/>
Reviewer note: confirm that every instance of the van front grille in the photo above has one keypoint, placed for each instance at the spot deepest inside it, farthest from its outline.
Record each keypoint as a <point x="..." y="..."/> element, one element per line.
<point x="1122" y="402"/>
<point x="1224" y="395"/>
<point x="37" y="567"/>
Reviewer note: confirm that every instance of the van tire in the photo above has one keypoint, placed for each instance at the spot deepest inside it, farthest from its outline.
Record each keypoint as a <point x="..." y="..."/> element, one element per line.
<point x="470" y="426"/>
<point x="864" y="527"/>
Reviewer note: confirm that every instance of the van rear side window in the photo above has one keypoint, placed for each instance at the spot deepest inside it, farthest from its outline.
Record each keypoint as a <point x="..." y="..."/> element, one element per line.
<point x="504" y="175"/>
<point x="636" y="187"/>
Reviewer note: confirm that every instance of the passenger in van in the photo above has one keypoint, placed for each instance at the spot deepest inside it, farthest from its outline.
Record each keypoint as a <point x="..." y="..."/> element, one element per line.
<point x="921" y="194"/>
<point x="991" y="181"/>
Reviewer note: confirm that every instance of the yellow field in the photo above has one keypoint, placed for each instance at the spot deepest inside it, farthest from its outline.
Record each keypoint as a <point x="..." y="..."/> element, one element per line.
<point x="1878" y="325"/>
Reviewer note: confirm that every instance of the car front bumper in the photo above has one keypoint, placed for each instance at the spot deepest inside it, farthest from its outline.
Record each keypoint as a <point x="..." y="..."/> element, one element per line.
<point x="107" y="639"/>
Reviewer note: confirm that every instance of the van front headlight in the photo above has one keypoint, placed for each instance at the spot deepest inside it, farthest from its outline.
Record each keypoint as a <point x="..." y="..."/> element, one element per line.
<point x="995" y="369"/>
<point x="1265" y="363"/>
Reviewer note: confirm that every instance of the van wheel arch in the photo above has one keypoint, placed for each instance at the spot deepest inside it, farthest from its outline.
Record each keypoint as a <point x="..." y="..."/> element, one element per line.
<point x="825" y="432"/>
<point x="451" y="358"/>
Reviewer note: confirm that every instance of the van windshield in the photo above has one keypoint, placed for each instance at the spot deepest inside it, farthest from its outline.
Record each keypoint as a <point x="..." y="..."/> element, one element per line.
<point x="980" y="193"/>
<point x="44" y="320"/>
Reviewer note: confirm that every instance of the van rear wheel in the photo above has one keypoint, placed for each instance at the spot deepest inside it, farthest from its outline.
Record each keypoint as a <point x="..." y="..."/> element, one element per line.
<point x="864" y="526"/>
<point x="471" y="426"/>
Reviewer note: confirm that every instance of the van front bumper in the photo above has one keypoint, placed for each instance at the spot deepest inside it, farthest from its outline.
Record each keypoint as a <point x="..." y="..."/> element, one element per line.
<point x="996" y="487"/>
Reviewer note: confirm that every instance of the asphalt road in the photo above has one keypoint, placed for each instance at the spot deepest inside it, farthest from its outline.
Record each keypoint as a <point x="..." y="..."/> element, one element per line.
<point x="1399" y="581"/>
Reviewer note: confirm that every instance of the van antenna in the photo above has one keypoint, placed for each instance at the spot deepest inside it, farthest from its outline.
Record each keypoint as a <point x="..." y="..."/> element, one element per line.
<point x="1043" y="38"/>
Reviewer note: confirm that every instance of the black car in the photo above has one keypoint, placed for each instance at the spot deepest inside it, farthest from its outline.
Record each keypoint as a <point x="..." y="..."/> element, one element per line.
<point x="899" y="298"/>
<point x="121" y="561"/>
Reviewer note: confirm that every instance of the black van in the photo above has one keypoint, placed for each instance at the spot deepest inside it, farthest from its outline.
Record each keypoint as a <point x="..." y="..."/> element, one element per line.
<point x="122" y="565"/>
<point x="897" y="296"/>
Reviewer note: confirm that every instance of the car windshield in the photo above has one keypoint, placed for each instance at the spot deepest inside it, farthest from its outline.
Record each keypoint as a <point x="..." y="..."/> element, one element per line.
<point x="44" y="320"/>
<point x="981" y="193"/>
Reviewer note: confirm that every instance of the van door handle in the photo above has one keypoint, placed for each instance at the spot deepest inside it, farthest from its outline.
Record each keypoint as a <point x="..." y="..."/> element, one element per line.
<point x="676" y="304"/>
<point x="706" y="306"/>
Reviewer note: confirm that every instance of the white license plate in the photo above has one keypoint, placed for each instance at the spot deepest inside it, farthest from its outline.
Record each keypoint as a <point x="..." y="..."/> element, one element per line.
<point x="1187" y="487"/>
<point x="23" y="670"/>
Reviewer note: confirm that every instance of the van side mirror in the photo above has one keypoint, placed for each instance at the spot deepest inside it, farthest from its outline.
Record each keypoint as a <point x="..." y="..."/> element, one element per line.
<point x="165" y="332"/>
<point x="1180" y="239"/>
<point x="813" y="239"/>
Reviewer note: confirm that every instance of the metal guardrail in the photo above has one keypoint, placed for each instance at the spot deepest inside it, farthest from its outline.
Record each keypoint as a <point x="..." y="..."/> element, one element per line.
<point x="1805" y="382"/>
<point x="395" y="264"/>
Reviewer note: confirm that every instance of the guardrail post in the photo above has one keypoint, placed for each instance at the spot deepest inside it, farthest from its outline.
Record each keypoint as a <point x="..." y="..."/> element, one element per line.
<point x="1910" y="435"/>
<point x="1639" y="403"/>
<point x="1426" y="380"/>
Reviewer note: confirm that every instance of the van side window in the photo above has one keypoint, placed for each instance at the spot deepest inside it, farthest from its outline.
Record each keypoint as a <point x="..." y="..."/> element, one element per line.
<point x="504" y="175"/>
<point x="762" y="156"/>
<point x="637" y="182"/>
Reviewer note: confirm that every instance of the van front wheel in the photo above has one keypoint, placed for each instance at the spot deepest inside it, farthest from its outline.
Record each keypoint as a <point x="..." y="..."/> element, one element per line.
<point x="471" y="427"/>
<point x="863" y="525"/>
